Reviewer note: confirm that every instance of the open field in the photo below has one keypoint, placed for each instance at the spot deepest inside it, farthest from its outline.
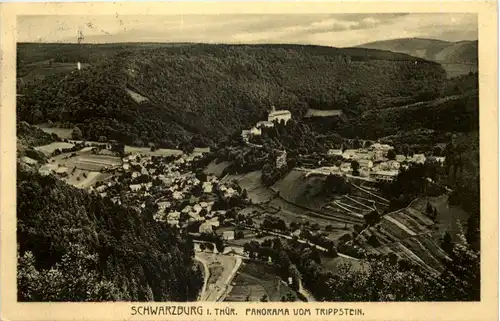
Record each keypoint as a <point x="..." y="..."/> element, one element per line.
<point x="256" y="191"/>
<point x="147" y="151"/>
<point x="216" y="169"/>
<point x="323" y="113"/>
<point x="455" y="70"/>
<point x="333" y="264"/>
<point x="254" y="280"/>
<point x="447" y="217"/>
<point x="63" y="133"/>
<point x="50" y="148"/>
<point x="42" y="69"/>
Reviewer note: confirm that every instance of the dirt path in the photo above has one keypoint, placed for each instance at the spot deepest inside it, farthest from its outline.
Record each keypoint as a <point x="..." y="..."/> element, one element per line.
<point x="217" y="289"/>
<point x="206" y="275"/>
<point x="309" y="297"/>
<point x="230" y="279"/>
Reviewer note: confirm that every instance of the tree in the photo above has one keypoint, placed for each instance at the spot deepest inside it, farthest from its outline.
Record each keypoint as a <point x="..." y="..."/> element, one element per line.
<point x="437" y="151"/>
<point x="264" y="298"/>
<point x="355" y="168"/>
<point x="447" y="243"/>
<point x="391" y="154"/>
<point x="238" y="234"/>
<point x="76" y="133"/>
<point x="71" y="279"/>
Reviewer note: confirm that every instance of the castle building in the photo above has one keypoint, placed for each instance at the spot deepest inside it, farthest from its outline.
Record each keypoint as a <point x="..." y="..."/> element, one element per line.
<point x="279" y="115"/>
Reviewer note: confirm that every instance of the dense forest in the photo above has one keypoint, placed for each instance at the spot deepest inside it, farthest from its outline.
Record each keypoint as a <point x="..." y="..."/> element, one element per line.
<point x="170" y="95"/>
<point x="458" y="113"/>
<point x="76" y="246"/>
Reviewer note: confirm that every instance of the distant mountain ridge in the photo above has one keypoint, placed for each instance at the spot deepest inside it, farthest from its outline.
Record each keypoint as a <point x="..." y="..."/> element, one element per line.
<point x="430" y="49"/>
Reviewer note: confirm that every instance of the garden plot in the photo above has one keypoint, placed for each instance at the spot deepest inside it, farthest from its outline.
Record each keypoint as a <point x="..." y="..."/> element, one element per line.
<point x="256" y="280"/>
<point x="147" y="151"/>
<point x="96" y="162"/>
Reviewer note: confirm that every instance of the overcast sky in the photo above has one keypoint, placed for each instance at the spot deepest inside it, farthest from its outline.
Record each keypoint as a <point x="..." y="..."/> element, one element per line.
<point x="329" y="29"/>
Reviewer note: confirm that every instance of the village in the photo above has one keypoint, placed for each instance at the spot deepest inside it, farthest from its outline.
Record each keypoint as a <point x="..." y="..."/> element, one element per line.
<point x="173" y="187"/>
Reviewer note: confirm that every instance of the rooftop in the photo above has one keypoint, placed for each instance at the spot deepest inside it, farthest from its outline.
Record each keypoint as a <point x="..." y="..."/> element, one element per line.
<point x="279" y="112"/>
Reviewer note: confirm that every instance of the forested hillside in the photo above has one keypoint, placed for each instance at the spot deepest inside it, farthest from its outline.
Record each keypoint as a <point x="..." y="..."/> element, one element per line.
<point x="206" y="92"/>
<point x="76" y="246"/>
<point x="458" y="113"/>
<point x="29" y="136"/>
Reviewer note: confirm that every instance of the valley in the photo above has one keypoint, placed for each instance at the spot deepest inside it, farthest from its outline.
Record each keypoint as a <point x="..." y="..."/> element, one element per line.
<point x="358" y="175"/>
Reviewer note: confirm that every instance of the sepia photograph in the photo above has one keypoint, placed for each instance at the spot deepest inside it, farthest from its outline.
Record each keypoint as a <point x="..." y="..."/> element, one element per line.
<point x="248" y="158"/>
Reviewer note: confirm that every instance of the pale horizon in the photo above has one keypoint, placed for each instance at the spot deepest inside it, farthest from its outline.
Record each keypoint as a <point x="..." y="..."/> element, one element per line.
<point x="336" y="30"/>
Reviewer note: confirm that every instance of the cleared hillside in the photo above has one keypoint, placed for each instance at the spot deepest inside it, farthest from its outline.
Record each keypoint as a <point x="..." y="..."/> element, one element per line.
<point x="200" y="93"/>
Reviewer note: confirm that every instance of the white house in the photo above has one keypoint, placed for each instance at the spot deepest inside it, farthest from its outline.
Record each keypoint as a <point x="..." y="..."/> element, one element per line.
<point x="400" y="158"/>
<point x="382" y="147"/>
<point x="255" y="131"/>
<point x="135" y="187"/>
<point x="440" y="159"/>
<point x="364" y="171"/>
<point x="207" y="187"/>
<point x="349" y="153"/>
<point x="163" y="205"/>
<point x="177" y="195"/>
<point x="362" y="154"/>
<point x="279" y="115"/>
<point x="228" y="235"/>
<point x="384" y="176"/>
<point x="345" y="167"/>
<point x="418" y="158"/>
<point x="336" y="152"/>
<point x="393" y="165"/>
<point x="264" y="123"/>
<point x="245" y="133"/>
<point x="365" y="163"/>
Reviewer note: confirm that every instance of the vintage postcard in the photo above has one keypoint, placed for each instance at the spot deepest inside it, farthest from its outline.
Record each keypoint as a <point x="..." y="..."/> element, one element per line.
<point x="243" y="161"/>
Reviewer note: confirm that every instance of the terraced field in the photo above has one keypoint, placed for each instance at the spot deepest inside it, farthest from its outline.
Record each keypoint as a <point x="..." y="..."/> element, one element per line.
<point x="82" y="170"/>
<point x="407" y="233"/>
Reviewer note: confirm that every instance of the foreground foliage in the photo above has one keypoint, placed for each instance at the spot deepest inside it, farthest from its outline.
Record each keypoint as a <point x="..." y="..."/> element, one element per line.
<point x="75" y="246"/>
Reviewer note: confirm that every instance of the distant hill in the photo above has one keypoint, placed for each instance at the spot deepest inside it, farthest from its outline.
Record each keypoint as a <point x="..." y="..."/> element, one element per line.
<point x="431" y="49"/>
<point x="198" y="93"/>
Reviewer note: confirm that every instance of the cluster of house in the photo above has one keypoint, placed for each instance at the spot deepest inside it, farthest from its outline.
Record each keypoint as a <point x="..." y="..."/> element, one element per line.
<point x="177" y="205"/>
<point x="273" y="116"/>
<point x="374" y="162"/>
